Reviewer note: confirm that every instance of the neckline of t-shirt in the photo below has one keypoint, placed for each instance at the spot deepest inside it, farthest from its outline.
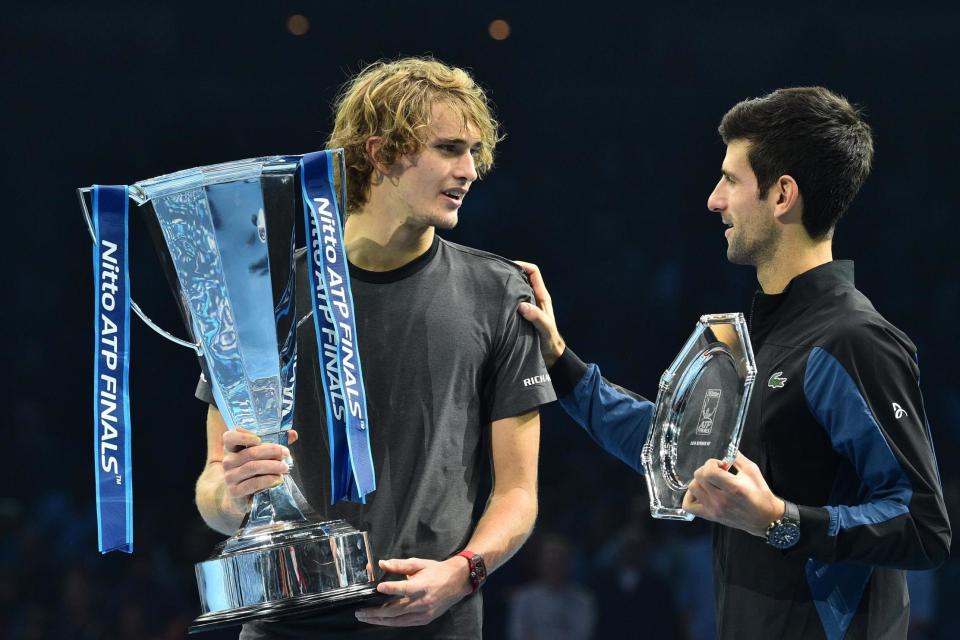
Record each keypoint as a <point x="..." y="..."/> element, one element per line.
<point x="407" y="270"/>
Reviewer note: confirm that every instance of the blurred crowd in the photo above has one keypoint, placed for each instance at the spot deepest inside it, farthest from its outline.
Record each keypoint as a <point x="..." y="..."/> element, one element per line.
<point x="598" y="566"/>
<point x="53" y="583"/>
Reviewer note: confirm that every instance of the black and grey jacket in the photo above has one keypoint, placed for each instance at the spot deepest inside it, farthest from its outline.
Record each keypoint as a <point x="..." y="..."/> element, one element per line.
<point x="837" y="425"/>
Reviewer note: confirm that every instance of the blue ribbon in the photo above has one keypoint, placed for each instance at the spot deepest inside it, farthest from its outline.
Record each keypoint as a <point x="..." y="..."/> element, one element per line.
<point x="111" y="402"/>
<point x="351" y="462"/>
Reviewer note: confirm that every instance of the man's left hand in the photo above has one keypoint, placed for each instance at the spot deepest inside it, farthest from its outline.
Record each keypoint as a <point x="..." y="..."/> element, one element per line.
<point x="430" y="589"/>
<point x="541" y="315"/>
<point x="741" y="501"/>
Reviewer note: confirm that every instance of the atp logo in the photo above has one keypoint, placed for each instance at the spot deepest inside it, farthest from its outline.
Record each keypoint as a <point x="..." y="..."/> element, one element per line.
<point x="777" y="381"/>
<point x="898" y="411"/>
<point x="711" y="402"/>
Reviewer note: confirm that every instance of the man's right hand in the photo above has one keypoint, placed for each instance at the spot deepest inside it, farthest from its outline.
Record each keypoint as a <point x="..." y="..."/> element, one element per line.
<point x="250" y="465"/>
<point x="238" y="465"/>
<point x="541" y="316"/>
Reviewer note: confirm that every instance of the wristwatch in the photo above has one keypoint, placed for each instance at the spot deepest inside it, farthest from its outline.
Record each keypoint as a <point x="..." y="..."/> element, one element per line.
<point x="785" y="532"/>
<point x="478" y="570"/>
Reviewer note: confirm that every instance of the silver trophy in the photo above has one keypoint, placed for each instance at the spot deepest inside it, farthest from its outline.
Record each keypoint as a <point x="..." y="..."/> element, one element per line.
<point x="226" y="238"/>
<point x="700" y="410"/>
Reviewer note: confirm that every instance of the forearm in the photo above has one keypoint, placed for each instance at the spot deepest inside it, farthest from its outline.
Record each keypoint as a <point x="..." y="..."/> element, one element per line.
<point x="434" y="585"/>
<point x="877" y="533"/>
<point x="505" y="525"/>
<point x="217" y="509"/>
<point x="615" y="418"/>
<point x="512" y="508"/>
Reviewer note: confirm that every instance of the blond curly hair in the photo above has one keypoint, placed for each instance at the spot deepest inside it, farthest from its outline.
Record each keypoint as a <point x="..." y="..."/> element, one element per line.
<point x="393" y="99"/>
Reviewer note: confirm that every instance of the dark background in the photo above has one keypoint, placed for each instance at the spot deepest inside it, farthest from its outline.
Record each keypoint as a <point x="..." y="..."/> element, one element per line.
<point x="610" y="112"/>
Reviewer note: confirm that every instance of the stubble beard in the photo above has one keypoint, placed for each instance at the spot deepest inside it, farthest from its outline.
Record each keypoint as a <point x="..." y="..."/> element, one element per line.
<point x="754" y="251"/>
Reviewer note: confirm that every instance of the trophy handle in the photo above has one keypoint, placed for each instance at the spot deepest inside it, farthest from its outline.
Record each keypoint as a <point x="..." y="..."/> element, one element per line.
<point x="195" y="346"/>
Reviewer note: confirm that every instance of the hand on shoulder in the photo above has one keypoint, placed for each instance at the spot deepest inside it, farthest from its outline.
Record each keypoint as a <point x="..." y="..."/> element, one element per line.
<point x="541" y="315"/>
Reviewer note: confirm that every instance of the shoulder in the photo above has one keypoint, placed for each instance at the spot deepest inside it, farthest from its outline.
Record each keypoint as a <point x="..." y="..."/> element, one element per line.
<point x="481" y="260"/>
<point x="856" y="319"/>
<point x="858" y="331"/>
<point x="484" y="268"/>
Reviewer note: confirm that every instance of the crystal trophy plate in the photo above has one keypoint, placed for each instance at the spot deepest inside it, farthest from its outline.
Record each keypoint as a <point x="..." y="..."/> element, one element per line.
<point x="700" y="410"/>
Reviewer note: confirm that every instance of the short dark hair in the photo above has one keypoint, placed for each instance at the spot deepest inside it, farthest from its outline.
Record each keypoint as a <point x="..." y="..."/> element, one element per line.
<point x="813" y="135"/>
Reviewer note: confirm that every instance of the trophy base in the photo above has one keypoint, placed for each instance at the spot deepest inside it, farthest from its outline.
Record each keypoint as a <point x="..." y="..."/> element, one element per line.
<point x="316" y="567"/>
<point x="322" y="603"/>
<point x="667" y="513"/>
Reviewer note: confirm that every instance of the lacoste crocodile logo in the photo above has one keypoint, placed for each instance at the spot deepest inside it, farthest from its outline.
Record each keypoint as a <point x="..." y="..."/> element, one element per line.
<point x="777" y="381"/>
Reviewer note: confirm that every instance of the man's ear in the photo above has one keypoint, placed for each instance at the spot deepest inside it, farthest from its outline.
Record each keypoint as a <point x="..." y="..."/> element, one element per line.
<point x="786" y="198"/>
<point x="372" y="148"/>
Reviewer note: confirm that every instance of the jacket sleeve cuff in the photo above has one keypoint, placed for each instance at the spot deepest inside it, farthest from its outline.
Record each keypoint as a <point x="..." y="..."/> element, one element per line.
<point x="566" y="372"/>
<point x="815" y="539"/>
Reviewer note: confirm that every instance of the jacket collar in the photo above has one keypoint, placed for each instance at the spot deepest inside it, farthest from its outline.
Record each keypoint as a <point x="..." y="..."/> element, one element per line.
<point x="799" y="294"/>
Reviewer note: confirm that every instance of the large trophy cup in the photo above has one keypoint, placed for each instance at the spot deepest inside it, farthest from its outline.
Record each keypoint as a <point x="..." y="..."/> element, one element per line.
<point x="226" y="238"/>
<point x="700" y="410"/>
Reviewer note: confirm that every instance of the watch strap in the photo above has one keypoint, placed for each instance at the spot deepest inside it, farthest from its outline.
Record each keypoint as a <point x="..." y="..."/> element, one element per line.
<point x="791" y="511"/>
<point x="478" y="569"/>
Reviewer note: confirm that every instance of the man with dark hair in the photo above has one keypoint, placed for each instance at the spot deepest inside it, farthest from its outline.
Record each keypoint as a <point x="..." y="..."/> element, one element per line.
<point x="814" y="136"/>
<point x="835" y="490"/>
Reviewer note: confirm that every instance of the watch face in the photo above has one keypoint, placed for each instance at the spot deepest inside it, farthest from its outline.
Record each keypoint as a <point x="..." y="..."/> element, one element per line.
<point x="784" y="534"/>
<point x="478" y="570"/>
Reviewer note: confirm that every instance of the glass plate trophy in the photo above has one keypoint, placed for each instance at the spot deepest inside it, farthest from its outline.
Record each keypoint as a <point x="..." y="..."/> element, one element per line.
<point x="225" y="235"/>
<point x="701" y="406"/>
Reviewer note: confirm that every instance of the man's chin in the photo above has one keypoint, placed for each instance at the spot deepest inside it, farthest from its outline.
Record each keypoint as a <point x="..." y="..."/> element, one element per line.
<point x="447" y="222"/>
<point x="437" y="221"/>
<point x="738" y="257"/>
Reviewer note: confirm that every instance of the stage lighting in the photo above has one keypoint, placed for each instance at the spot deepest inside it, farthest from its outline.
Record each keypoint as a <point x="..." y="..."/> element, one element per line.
<point x="298" y="25"/>
<point x="499" y="29"/>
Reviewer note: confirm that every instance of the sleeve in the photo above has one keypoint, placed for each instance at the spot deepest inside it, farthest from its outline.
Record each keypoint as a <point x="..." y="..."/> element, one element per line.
<point x="888" y="507"/>
<point x="517" y="381"/>
<point x="617" y="419"/>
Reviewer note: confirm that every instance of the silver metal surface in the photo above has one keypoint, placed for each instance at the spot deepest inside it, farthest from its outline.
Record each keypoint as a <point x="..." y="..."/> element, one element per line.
<point x="700" y="410"/>
<point x="143" y="191"/>
<point x="315" y="564"/>
<point x="226" y="238"/>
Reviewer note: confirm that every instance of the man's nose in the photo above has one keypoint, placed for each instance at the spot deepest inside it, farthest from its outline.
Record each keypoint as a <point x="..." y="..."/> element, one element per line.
<point x="467" y="167"/>
<point x="715" y="201"/>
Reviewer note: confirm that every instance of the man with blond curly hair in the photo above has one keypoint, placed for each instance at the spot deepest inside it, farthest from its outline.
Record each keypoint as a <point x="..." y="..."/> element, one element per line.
<point x="454" y="376"/>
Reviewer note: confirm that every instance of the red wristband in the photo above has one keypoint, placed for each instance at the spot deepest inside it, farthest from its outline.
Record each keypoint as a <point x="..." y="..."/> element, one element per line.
<point x="478" y="569"/>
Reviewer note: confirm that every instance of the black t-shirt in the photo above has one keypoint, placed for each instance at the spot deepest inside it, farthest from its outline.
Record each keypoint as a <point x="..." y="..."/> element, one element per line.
<point x="444" y="354"/>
